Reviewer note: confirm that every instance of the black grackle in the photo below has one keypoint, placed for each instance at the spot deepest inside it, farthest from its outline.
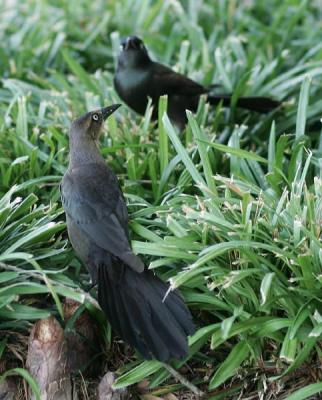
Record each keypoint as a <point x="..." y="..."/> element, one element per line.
<point x="138" y="77"/>
<point x="132" y="297"/>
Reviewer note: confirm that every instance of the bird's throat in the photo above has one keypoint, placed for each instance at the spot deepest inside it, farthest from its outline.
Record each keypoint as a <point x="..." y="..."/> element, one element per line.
<point x="84" y="151"/>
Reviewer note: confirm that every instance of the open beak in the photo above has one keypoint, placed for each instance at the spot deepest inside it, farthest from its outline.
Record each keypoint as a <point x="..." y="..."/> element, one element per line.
<point x="127" y="44"/>
<point x="132" y="43"/>
<point x="107" y="111"/>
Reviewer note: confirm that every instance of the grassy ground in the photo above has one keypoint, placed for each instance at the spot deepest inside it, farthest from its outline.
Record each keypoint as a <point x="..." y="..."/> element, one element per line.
<point x="230" y="211"/>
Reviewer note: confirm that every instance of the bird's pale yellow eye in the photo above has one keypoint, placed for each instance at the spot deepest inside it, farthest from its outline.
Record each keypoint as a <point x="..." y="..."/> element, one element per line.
<point x="95" y="117"/>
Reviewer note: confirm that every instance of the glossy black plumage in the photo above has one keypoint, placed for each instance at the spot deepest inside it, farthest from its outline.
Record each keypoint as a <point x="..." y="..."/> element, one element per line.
<point x="134" y="306"/>
<point x="138" y="77"/>
<point x="97" y="222"/>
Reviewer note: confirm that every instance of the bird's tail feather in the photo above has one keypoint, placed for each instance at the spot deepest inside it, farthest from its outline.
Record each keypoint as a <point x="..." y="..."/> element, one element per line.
<point x="136" y="308"/>
<point x="256" y="103"/>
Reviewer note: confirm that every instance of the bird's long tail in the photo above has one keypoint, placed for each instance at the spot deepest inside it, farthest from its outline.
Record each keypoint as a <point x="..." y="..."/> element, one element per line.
<point x="259" y="104"/>
<point x="135" y="307"/>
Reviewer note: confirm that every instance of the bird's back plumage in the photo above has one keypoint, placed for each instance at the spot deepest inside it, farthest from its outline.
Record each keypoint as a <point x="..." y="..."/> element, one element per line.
<point x="93" y="201"/>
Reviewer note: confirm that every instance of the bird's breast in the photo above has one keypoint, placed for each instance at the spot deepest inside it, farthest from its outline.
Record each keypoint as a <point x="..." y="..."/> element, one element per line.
<point x="134" y="88"/>
<point x="131" y="79"/>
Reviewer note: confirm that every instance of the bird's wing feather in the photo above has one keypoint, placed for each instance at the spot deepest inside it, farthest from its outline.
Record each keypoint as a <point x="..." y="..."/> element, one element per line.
<point x="96" y="205"/>
<point x="167" y="81"/>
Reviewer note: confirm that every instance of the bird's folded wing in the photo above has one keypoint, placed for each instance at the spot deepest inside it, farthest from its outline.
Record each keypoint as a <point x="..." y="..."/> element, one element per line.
<point x="170" y="82"/>
<point x="96" y="206"/>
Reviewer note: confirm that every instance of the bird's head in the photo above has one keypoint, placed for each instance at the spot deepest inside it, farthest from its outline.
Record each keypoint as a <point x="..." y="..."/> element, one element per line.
<point x="88" y="127"/>
<point x="133" y="53"/>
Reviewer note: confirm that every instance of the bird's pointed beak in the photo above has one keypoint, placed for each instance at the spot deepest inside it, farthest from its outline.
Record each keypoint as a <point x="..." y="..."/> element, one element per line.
<point x="127" y="43"/>
<point x="107" y="111"/>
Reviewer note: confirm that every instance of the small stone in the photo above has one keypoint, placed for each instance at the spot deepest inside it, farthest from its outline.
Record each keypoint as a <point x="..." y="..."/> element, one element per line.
<point x="8" y="390"/>
<point x="106" y="391"/>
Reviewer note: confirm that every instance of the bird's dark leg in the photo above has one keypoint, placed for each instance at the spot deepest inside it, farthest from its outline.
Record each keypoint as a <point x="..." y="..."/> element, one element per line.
<point x="93" y="278"/>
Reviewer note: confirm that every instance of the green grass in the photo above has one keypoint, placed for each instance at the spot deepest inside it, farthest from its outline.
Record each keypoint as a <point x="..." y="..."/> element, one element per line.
<point x="230" y="211"/>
